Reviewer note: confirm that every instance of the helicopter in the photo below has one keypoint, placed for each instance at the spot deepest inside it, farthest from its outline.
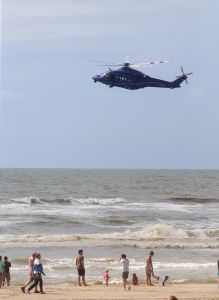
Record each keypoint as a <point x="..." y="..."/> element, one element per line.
<point x="129" y="78"/>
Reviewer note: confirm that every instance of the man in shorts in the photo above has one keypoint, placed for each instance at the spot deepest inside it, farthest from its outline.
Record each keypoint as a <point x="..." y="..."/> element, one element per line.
<point x="80" y="267"/>
<point x="125" y="270"/>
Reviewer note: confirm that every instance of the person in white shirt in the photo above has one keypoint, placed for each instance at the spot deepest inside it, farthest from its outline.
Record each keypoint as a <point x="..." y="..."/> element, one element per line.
<point x="125" y="270"/>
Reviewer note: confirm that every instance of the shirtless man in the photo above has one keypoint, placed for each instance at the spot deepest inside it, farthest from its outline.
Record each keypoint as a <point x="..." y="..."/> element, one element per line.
<point x="80" y="267"/>
<point x="149" y="268"/>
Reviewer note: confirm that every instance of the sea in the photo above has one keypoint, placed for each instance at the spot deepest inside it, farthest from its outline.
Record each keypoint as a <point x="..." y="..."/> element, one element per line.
<point x="107" y="213"/>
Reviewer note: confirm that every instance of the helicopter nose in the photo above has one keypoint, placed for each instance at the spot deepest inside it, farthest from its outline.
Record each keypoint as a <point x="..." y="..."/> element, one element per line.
<point x="96" y="78"/>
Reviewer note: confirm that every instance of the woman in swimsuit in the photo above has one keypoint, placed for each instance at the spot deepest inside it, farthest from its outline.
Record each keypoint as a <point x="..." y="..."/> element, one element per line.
<point x="149" y="268"/>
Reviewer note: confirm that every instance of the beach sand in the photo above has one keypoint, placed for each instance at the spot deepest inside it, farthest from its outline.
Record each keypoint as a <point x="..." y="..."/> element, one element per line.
<point x="70" y="292"/>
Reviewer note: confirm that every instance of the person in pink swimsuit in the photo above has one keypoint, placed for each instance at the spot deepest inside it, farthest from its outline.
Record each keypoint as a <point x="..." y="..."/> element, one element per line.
<point x="106" y="277"/>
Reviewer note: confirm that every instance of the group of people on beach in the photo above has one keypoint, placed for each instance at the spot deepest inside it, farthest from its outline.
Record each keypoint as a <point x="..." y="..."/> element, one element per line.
<point x="35" y="268"/>
<point x="5" y="266"/>
<point x="79" y="262"/>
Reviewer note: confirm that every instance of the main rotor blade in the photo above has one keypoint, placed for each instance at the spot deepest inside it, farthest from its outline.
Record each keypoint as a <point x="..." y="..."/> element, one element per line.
<point x="127" y="63"/>
<point x="111" y="65"/>
<point x="146" y="64"/>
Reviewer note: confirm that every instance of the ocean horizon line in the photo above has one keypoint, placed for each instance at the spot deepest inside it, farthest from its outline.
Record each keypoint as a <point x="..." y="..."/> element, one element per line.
<point x="110" y="169"/>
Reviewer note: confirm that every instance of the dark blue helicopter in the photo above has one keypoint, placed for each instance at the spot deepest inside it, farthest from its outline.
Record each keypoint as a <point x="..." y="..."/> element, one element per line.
<point x="129" y="78"/>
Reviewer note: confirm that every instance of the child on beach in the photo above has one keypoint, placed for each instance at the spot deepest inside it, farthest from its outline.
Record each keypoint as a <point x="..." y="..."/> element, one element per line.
<point x="134" y="279"/>
<point x="106" y="277"/>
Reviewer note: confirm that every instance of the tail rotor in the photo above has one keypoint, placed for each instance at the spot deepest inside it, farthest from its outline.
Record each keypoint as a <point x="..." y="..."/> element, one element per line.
<point x="184" y="75"/>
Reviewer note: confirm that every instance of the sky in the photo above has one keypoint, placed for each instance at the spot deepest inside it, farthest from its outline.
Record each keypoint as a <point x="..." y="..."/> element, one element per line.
<point x="52" y="114"/>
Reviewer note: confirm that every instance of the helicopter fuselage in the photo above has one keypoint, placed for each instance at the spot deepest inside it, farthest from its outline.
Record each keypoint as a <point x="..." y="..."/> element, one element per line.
<point x="132" y="79"/>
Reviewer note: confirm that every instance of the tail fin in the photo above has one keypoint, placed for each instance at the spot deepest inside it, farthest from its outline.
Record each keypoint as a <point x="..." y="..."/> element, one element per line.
<point x="176" y="83"/>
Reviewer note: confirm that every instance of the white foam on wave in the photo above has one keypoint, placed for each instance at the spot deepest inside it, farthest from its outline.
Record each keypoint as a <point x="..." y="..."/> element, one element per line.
<point x="172" y="207"/>
<point x="184" y="265"/>
<point x="101" y="201"/>
<point x="69" y="200"/>
<point x="27" y="200"/>
<point x="158" y="235"/>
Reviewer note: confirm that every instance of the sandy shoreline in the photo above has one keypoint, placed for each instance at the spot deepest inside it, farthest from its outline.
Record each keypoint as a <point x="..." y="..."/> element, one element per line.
<point x="69" y="292"/>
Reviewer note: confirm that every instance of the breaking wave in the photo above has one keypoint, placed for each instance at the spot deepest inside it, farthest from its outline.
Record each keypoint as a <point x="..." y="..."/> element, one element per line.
<point x="104" y="201"/>
<point x="156" y="236"/>
<point x="69" y="200"/>
<point x="27" y="200"/>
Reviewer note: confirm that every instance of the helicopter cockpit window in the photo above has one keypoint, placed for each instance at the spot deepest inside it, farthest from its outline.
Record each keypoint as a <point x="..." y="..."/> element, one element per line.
<point x="104" y="75"/>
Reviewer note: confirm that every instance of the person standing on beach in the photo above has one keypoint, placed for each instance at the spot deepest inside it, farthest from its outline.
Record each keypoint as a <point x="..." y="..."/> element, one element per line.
<point x="31" y="277"/>
<point x="80" y="267"/>
<point x="125" y="270"/>
<point x="6" y="276"/>
<point x="149" y="268"/>
<point x="2" y="269"/>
